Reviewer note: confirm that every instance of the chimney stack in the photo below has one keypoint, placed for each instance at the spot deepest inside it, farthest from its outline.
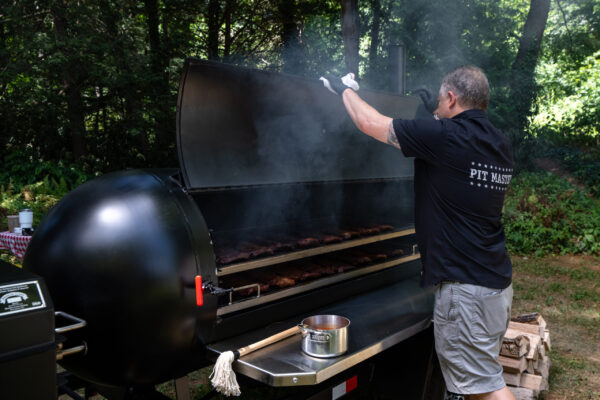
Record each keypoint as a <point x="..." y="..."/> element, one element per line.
<point x="397" y="68"/>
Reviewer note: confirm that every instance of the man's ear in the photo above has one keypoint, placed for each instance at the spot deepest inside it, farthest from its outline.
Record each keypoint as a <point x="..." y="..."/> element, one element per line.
<point x="452" y="99"/>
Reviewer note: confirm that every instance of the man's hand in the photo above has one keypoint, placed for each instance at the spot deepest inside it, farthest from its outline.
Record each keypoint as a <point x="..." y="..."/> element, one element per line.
<point x="426" y="96"/>
<point x="338" y="85"/>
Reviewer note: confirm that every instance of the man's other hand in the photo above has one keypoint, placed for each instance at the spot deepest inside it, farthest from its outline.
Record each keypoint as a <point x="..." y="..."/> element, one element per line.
<point x="338" y="85"/>
<point x="429" y="101"/>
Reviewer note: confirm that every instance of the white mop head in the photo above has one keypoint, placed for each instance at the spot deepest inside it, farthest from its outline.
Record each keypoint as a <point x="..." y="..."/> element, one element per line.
<point x="223" y="377"/>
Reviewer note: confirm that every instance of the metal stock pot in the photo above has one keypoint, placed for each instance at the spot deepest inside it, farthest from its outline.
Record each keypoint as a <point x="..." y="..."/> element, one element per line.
<point x="325" y="336"/>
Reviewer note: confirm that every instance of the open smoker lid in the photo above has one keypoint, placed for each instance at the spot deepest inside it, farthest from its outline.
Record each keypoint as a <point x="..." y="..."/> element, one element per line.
<point x="238" y="126"/>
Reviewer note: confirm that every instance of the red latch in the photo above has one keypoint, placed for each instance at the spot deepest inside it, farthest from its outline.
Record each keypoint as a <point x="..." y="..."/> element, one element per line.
<point x="351" y="384"/>
<point x="199" y="291"/>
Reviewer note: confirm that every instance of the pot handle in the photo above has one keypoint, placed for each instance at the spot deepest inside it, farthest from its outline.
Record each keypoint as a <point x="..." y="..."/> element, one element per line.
<point x="306" y="329"/>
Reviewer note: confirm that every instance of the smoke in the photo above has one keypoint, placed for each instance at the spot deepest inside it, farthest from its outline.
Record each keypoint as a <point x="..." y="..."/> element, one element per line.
<point x="273" y="131"/>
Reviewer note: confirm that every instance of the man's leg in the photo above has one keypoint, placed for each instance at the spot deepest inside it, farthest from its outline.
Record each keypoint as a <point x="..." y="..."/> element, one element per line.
<point x="469" y="322"/>
<point x="502" y="394"/>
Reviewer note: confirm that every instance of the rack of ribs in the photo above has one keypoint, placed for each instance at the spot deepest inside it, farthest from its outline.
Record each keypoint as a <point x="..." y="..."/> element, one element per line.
<point x="326" y="238"/>
<point x="372" y="256"/>
<point x="333" y="265"/>
<point x="256" y="250"/>
<point x="228" y="255"/>
<point x="277" y="246"/>
<point x="302" y="271"/>
<point x="308" y="242"/>
<point x="358" y="260"/>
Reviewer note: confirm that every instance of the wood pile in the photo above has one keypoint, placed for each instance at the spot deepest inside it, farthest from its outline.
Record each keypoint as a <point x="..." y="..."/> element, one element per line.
<point x="523" y="356"/>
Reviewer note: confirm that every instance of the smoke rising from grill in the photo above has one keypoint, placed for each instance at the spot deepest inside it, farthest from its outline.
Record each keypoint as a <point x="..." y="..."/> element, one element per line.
<point x="241" y="127"/>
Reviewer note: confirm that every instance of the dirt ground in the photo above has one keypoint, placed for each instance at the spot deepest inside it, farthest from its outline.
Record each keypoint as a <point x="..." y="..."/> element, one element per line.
<point x="566" y="291"/>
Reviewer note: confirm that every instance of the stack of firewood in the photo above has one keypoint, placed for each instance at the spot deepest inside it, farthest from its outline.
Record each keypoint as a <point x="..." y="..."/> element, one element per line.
<point x="523" y="356"/>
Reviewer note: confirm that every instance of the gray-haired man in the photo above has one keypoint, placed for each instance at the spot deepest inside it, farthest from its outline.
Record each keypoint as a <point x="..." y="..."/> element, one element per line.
<point x="463" y="166"/>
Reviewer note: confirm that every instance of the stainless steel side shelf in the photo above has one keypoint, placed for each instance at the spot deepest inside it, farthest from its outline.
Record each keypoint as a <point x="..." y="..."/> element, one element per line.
<point x="379" y="320"/>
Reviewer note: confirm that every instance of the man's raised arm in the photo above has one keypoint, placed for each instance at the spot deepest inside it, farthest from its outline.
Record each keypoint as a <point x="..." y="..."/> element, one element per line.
<point x="367" y="119"/>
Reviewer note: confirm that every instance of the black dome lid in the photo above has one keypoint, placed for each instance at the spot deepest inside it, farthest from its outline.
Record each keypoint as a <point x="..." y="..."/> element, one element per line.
<point x="238" y="126"/>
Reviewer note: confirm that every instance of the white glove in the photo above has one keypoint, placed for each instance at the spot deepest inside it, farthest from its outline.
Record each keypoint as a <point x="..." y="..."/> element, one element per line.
<point x="337" y="86"/>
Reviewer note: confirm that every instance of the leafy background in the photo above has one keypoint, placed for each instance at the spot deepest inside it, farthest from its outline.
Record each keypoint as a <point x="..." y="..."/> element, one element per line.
<point x="89" y="87"/>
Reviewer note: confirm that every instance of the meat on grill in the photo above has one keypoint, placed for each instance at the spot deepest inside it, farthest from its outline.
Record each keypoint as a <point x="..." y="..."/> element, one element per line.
<point x="307" y="242"/>
<point x="348" y="234"/>
<point x="300" y="272"/>
<point x="228" y="254"/>
<point x="373" y="256"/>
<point x="328" y="239"/>
<point x="256" y="250"/>
<point x="278" y="280"/>
<point x="277" y="246"/>
<point x="225" y="255"/>
<point x="352" y="259"/>
<point x="330" y="264"/>
<point x="396" y="253"/>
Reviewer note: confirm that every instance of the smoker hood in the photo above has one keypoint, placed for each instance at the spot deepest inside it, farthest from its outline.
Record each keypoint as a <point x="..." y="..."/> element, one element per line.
<point x="238" y="126"/>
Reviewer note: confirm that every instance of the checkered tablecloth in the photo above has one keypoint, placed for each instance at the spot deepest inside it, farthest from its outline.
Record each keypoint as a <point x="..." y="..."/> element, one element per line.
<point x="17" y="244"/>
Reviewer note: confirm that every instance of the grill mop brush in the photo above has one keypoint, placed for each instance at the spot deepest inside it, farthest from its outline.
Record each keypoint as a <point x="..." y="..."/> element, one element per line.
<point x="223" y="378"/>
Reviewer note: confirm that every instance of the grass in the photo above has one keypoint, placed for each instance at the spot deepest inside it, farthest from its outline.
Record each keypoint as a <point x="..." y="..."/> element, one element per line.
<point x="566" y="291"/>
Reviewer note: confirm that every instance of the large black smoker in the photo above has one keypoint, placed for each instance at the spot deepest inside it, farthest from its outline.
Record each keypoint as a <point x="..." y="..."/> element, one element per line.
<point x="266" y="161"/>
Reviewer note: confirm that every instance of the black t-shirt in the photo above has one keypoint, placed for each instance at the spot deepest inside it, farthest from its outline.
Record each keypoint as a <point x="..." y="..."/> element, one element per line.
<point x="463" y="167"/>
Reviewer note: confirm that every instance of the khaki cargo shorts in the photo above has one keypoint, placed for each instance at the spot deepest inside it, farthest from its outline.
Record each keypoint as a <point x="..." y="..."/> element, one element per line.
<point x="469" y="324"/>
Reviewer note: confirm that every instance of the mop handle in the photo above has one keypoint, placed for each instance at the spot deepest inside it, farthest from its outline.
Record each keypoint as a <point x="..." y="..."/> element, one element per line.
<point x="265" y="342"/>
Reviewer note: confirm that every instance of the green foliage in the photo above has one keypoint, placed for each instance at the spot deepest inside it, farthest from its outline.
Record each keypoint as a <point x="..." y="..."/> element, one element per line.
<point x="568" y="105"/>
<point x="39" y="196"/>
<point x="545" y="214"/>
<point x="583" y="164"/>
<point x="20" y="168"/>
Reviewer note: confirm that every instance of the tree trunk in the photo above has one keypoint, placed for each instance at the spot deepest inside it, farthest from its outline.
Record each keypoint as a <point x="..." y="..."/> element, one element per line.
<point x="151" y="8"/>
<point x="213" y="30"/>
<point x="71" y="88"/>
<point x="523" y="68"/>
<point x="228" y="38"/>
<point x="375" y="27"/>
<point x="160" y="90"/>
<point x="292" y="53"/>
<point x="350" y="34"/>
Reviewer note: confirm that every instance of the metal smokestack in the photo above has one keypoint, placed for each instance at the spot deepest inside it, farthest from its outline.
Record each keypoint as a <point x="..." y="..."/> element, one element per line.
<point x="397" y="68"/>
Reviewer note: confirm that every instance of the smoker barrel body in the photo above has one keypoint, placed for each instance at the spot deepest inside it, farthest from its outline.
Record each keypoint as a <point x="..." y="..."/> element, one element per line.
<point x="121" y="252"/>
<point x="264" y="158"/>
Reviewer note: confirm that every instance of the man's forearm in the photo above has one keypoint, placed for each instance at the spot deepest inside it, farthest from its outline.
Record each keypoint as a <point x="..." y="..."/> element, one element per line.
<point x="367" y="119"/>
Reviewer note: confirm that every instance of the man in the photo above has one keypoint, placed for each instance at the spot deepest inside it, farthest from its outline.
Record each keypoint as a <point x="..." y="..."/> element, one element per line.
<point x="463" y="165"/>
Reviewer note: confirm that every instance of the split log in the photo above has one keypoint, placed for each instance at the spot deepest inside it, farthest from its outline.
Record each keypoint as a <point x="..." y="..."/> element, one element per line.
<point x="534" y="319"/>
<point x="527" y="328"/>
<point x="515" y="347"/>
<point x="543" y="367"/>
<point x="523" y="393"/>
<point x="546" y="340"/>
<point x="534" y="341"/>
<point x="513" y="365"/>
<point x="512" y="379"/>
<point x="535" y="382"/>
